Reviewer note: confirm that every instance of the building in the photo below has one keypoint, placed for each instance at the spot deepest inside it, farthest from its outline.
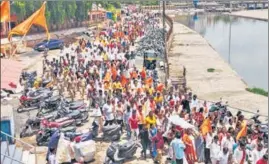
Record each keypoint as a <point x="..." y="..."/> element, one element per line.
<point x="5" y="25"/>
<point x="97" y="16"/>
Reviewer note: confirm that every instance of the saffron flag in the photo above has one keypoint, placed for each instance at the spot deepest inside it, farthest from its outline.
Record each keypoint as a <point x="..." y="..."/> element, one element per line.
<point x="206" y="127"/>
<point x="243" y="131"/>
<point x="5" y="11"/>
<point x="133" y="74"/>
<point x="143" y="74"/>
<point x="37" y="18"/>
<point x="107" y="76"/>
<point x="149" y="81"/>
<point x="124" y="81"/>
<point x="160" y="87"/>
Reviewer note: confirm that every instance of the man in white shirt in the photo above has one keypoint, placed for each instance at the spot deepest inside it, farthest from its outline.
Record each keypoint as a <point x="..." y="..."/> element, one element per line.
<point x="228" y="142"/>
<point x="223" y="156"/>
<point x="209" y="139"/>
<point x="257" y="153"/>
<point x="215" y="150"/>
<point x="240" y="154"/>
<point x="108" y="113"/>
<point x="195" y="103"/>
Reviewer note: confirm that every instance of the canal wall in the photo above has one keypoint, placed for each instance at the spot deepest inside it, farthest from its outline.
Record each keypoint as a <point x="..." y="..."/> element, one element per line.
<point x="195" y="53"/>
<point x="252" y="14"/>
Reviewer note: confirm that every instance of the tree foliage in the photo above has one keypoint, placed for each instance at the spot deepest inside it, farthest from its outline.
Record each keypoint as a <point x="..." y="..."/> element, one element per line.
<point x="57" y="12"/>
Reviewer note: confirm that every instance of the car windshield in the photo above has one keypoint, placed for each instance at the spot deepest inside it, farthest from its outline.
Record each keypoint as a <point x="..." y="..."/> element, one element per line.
<point x="150" y="54"/>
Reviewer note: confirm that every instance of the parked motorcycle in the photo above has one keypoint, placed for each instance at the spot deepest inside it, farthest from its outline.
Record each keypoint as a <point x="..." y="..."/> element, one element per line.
<point x="92" y="134"/>
<point x="59" y="123"/>
<point x="49" y="105"/>
<point x="118" y="152"/>
<point x="30" y="101"/>
<point x="43" y="136"/>
<point x="81" y="114"/>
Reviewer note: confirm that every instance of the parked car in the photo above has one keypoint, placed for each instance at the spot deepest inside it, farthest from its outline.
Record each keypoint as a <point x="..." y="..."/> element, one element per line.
<point x="51" y="44"/>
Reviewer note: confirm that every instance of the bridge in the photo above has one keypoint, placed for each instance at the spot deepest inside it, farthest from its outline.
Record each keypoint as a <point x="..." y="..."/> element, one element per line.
<point x="176" y="4"/>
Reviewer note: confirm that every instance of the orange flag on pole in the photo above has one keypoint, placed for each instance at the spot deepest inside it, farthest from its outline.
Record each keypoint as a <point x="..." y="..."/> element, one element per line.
<point x="37" y="18"/>
<point x="107" y="76"/>
<point x="243" y="131"/>
<point x="149" y="81"/>
<point x="206" y="127"/>
<point x="160" y="87"/>
<point x="5" y="11"/>
<point x="124" y="81"/>
<point x="143" y="74"/>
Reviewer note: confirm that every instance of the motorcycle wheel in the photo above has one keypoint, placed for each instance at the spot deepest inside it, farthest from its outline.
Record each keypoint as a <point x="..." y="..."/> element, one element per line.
<point x="20" y="109"/>
<point x="85" y="116"/>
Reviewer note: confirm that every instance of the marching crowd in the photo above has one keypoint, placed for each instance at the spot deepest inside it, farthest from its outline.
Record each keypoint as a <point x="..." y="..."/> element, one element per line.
<point x="102" y="70"/>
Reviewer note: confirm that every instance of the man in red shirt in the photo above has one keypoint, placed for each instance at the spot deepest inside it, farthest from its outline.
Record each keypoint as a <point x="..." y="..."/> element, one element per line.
<point x="133" y="122"/>
<point x="264" y="159"/>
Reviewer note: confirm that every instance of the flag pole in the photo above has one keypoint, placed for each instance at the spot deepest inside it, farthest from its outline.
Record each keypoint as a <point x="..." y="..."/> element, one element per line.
<point x="13" y="52"/>
<point x="9" y="27"/>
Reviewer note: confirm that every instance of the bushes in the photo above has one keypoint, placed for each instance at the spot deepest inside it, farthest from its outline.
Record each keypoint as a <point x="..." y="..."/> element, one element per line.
<point x="258" y="91"/>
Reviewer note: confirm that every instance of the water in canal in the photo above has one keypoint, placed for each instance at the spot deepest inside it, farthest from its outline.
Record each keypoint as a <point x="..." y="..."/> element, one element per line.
<point x="241" y="42"/>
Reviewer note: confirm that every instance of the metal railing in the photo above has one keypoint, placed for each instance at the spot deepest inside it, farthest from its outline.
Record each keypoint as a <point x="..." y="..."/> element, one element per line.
<point x="12" y="159"/>
<point x="25" y="146"/>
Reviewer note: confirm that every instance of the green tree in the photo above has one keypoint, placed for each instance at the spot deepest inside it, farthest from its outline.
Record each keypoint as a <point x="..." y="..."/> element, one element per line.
<point x="18" y="8"/>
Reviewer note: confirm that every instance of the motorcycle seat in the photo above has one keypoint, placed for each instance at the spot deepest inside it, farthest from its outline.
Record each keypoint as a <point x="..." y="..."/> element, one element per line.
<point x="75" y="105"/>
<point x="68" y="129"/>
<point x="53" y="99"/>
<point x="65" y="122"/>
<point x="74" y="113"/>
<point x="62" y="119"/>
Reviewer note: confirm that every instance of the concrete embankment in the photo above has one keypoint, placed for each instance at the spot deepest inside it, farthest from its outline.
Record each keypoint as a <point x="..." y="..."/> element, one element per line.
<point x="194" y="52"/>
<point x="252" y="14"/>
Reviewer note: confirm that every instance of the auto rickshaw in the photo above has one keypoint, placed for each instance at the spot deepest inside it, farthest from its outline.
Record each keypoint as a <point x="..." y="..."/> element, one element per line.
<point x="150" y="59"/>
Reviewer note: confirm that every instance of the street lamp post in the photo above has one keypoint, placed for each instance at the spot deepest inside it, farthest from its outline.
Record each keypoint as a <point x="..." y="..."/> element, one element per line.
<point x="164" y="39"/>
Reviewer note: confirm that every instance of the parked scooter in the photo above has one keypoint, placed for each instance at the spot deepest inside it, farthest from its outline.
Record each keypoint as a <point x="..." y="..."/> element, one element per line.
<point x="118" y="153"/>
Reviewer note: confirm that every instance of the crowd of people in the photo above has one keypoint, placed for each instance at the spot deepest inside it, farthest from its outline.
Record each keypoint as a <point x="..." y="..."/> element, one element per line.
<point x="103" y="71"/>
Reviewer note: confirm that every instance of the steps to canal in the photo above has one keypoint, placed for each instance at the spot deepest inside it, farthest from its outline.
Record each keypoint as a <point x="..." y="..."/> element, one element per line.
<point x="12" y="154"/>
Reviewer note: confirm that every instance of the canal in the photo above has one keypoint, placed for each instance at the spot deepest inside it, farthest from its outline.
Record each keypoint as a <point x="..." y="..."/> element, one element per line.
<point x="243" y="43"/>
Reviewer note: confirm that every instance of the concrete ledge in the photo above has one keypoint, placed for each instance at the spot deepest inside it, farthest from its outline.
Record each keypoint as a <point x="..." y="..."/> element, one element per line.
<point x="194" y="52"/>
